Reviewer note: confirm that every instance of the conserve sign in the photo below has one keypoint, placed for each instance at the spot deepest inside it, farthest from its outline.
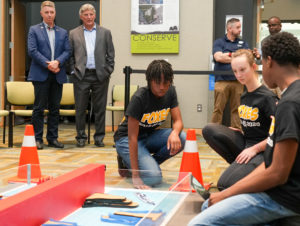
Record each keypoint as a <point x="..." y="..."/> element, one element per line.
<point x="154" y="26"/>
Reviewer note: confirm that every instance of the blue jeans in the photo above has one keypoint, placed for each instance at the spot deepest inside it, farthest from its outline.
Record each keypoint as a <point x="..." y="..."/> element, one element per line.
<point x="244" y="209"/>
<point x="152" y="151"/>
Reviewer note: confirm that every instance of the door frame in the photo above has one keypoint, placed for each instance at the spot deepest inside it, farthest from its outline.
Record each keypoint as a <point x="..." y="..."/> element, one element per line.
<point x="4" y="48"/>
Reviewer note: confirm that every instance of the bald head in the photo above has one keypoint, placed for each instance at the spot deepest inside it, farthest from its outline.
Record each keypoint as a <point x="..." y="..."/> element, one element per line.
<point x="274" y="25"/>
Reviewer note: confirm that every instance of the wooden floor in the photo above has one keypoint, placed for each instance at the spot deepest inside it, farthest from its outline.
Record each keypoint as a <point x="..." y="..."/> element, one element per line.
<point x="55" y="162"/>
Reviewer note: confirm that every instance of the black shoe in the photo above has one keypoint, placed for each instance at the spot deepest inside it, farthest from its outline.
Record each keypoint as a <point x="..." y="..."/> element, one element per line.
<point x="123" y="170"/>
<point x="80" y="143"/>
<point x="99" y="143"/>
<point x="39" y="145"/>
<point x="55" y="143"/>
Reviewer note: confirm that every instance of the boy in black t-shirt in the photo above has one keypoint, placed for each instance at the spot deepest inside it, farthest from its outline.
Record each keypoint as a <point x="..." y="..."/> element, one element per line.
<point x="140" y="146"/>
<point x="272" y="190"/>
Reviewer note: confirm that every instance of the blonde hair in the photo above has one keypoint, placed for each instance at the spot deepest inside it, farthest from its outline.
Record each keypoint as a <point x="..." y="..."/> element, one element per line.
<point x="47" y="3"/>
<point x="247" y="53"/>
<point x="86" y="7"/>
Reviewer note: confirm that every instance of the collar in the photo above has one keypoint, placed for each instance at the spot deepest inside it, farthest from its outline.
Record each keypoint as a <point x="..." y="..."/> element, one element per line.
<point x="47" y="26"/>
<point x="93" y="29"/>
<point x="235" y="40"/>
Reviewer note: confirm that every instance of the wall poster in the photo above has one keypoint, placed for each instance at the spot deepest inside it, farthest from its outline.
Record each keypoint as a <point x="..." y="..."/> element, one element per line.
<point x="154" y="26"/>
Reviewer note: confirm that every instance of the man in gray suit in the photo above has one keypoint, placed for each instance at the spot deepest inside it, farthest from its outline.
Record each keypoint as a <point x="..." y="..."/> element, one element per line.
<point x="91" y="63"/>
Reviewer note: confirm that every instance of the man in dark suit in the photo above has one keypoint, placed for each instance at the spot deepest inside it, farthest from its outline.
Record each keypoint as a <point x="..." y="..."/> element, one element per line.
<point x="91" y="63"/>
<point x="49" y="48"/>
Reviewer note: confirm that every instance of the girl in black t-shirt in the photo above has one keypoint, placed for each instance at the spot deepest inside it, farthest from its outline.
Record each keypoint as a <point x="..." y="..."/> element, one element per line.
<point x="243" y="149"/>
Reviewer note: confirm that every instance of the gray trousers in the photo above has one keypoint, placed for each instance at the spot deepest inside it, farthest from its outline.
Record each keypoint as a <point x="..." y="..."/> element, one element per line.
<point x="90" y="85"/>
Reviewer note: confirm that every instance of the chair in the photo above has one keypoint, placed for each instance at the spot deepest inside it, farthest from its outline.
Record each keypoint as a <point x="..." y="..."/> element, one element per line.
<point x="4" y="113"/>
<point x="17" y="94"/>
<point x="68" y="99"/>
<point x="117" y="99"/>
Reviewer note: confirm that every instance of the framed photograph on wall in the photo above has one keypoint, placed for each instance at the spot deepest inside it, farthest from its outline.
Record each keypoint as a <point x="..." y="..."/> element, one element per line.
<point x="154" y="26"/>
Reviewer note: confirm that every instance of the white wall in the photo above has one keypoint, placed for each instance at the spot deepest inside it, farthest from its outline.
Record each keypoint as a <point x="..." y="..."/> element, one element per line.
<point x="196" y="33"/>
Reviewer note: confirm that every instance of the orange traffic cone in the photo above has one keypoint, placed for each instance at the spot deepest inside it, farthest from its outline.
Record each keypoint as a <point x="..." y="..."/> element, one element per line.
<point x="190" y="159"/>
<point x="29" y="155"/>
<point x="190" y="163"/>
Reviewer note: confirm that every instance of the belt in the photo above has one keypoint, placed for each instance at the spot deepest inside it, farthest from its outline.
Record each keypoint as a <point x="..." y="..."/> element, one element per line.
<point x="87" y="70"/>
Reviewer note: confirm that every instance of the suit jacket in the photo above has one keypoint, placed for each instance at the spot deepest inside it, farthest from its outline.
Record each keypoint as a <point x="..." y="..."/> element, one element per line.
<point x="40" y="51"/>
<point x="104" y="53"/>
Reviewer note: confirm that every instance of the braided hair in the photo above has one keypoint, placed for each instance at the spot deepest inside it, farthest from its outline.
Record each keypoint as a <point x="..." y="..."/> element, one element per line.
<point x="157" y="69"/>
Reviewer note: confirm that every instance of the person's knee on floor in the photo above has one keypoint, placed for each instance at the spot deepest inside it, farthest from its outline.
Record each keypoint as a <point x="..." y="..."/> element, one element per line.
<point x="152" y="178"/>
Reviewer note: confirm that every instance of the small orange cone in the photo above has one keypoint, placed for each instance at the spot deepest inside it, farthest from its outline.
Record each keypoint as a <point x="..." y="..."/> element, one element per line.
<point x="29" y="155"/>
<point x="190" y="163"/>
<point x="190" y="158"/>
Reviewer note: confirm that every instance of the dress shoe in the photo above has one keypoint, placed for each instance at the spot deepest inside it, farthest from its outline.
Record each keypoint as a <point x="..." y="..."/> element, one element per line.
<point x="80" y="143"/>
<point x="39" y="145"/>
<point x="99" y="143"/>
<point x="55" y="143"/>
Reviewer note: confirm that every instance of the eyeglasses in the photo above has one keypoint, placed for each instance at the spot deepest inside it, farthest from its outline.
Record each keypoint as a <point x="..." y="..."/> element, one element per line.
<point x="273" y="25"/>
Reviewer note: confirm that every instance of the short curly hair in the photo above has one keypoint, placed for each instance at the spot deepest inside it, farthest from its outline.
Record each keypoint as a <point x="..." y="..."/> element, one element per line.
<point x="282" y="47"/>
<point x="157" y="68"/>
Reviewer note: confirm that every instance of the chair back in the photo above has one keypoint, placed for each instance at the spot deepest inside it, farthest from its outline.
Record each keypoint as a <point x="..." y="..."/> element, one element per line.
<point x="67" y="94"/>
<point x="19" y="93"/>
<point x="119" y="92"/>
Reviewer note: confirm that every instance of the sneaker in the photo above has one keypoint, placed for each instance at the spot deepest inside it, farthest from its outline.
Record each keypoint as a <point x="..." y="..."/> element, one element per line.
<point x="123" y="170"/>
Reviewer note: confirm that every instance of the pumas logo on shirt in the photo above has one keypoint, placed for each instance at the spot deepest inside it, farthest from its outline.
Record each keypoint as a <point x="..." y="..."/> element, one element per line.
<point x="155" y="117"/>
<point x="248" y="113"/>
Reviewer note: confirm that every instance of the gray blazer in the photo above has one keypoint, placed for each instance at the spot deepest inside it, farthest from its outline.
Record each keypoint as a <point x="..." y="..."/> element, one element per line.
<point x="104" y="53"/>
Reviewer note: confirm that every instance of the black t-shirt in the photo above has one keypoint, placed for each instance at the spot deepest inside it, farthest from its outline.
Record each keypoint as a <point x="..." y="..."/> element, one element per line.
<point x="255" y="110"/>
<point x="149" y="110"/>
<point x="287" y="126"/>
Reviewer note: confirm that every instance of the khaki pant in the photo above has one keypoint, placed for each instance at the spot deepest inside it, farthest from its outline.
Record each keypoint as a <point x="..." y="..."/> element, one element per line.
<point x="227" y="91"/>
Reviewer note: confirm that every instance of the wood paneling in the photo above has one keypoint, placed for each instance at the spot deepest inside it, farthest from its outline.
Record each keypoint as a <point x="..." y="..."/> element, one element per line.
<point x="18" y="39"/>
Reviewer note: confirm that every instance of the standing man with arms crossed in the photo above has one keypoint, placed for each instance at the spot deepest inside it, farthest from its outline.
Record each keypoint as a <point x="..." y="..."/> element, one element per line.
<point x="226" y="86"/>
<point x="92" y="62"/>
<point x="49" y="49"/>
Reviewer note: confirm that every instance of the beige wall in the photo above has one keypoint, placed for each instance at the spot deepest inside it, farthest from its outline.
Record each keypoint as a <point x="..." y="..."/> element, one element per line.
<point x="196" y="30"/>
<point x="284" y="9"/>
